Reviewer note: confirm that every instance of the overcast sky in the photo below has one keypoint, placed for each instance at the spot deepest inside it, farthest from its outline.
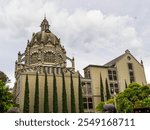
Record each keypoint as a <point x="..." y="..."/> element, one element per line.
<point x="92" y="31"/>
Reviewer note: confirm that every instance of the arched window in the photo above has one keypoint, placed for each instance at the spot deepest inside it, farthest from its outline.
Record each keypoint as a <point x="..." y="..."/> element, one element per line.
<point x="34" y="58"/>
<point x="49" y="57"/>
<point x="60" y="59"/>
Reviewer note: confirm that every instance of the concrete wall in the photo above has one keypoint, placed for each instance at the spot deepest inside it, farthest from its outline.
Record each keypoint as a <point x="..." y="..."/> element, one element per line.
<point x="123" y="72"/>
<point x="95" y="78"/>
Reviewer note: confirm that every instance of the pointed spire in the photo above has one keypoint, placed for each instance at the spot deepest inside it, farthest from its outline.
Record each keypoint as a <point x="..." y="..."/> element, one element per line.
<point x="141" y="62"/>
<point x="44" y="25"/>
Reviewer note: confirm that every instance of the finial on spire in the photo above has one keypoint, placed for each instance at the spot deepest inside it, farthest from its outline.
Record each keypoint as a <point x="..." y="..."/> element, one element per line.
<point x="44" y="15"/>
<point x="44" y="25"/>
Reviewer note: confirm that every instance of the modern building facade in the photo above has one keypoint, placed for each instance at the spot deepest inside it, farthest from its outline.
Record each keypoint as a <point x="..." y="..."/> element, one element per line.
<point x="119" y="72"/>
<point x="45" y="54"/>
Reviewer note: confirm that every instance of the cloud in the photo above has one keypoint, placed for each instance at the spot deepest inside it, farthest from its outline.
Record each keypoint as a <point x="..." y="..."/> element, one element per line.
<point x="91" y="36"/>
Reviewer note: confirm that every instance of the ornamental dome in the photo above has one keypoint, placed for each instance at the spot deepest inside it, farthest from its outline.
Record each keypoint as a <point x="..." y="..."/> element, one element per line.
<point x="43" y="52"/>
<point x="45" y="48"/>
<point x="44" y="36"/>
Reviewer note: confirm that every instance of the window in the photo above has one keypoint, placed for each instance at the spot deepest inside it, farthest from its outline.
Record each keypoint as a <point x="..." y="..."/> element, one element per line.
<point x="132" y="79"/>
<point x="88" y="104"/>
<point x="87" y="90"/>
<point x="112" y="75"/>
<point x="87" y="74"/>
<point x="114" y="87"/>
<point x="130" y="67"/>
<point x="49" y="57"/>
<point x="57" y="70"/>
<point x="131" y="72"/>
<point x="48" y="70"/>
<point x="129" y="58"/>
<point x="34" y="58"/>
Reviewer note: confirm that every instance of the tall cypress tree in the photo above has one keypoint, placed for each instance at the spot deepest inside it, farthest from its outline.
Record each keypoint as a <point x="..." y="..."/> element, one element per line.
<point x="108" y="96"/>
<point x="46" y="106"/>
<point x="126" y="86"/>
<point x="64" y="95"/>
<point x="73" y="106"/>
<point x="101" y="88"/>
<point x="36" y="96"/>
<point x="26" y="97"/>
<point x="81" y="107"/>
<point x="55" y="98"/>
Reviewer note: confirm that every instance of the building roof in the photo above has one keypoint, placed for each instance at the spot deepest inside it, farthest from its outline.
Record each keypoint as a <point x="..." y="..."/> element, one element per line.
<point x="98" y="66"/>
<point x="113" y="62"/>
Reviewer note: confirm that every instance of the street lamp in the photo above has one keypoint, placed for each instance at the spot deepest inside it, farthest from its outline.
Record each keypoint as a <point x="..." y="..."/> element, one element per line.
<point x="114" y="96"/>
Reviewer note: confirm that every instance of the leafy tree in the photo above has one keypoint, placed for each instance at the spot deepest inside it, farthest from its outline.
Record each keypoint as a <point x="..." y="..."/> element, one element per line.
<point x="146" y="102"/>
<point x="36" y="97"/>
<point x="26" y="106"/>
<point x="46" y="106"/>
<point x="81" y="107"/>
<point x="6" y="98"/>
<point x="64" y="95"/>
<point x="134" y="96"/>
<point x="3" y="77"/>
<point x="99" y="107"/>
<point x="101" y="88"/>
<point x="110" y="101"/>
<point x="73" y="106"/>
<point x="55" y="98"/>
<point x="108" y="96"/>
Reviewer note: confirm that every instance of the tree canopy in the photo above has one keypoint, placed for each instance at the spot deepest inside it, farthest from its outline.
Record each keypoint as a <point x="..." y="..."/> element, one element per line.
<point x="3" y="77"/>
<point x="6" y="98"/>
<point x="135" y="96"/>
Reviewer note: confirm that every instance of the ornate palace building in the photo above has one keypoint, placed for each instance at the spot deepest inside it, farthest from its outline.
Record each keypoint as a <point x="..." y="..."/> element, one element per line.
<point x="44" y="53"/>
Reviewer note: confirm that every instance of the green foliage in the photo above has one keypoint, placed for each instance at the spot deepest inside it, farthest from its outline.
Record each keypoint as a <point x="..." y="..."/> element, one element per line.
<point x="101" y="89"/>
<point x="146" y="102"/>
<point x="73" y="107"/>
<point x="81" y="107"/>
<point x="135" y="96"/>
<point x="3" y="77"/>
<point x="46" y="106"/>
<point x="26" y="97"/>
<point x="108" y="96"/>
<point x="55" y="100"/>
<point x="124" y="105"/>
<point x="6" y="98"/>
<point x="110" y="101"/>
<point x="99" y="107"/>
<point x="64" y="95"/>
<point x="139" y="104"/>
<point x="36" y="97"/>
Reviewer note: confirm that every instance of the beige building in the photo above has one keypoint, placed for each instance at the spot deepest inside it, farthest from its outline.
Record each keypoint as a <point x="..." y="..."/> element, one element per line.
<point x="44" y="52"/>
<point x="124" y="68"/>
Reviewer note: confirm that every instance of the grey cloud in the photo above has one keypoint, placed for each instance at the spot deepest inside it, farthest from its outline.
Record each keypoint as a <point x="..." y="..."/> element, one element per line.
<point x="101" y="30"/>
